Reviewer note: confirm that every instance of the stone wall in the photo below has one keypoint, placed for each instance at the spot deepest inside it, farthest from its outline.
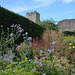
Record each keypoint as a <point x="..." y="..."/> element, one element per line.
<point x="67" y="25"/>
<point x="34" y="16"/>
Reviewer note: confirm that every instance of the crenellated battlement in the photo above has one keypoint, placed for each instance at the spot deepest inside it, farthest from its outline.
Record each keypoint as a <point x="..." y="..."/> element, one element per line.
<point x="34" y="16"/>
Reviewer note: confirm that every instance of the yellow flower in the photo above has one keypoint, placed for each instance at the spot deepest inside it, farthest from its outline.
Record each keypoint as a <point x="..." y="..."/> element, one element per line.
<point x="65" y="37"/>
<point x="7" y="69"/>
<point x="70" y="44"/>
<point x="73" y="46"/>
<point x="26" y="58"/>
<point x="14" y="70"/>
<point x="20" y="62"/>
<point x="9" y="65"/>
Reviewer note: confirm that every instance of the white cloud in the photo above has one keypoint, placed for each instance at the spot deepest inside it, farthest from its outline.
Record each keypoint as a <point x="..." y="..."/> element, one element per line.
<point x="44" y="2"/>
<point x="67" y="1"/>
<point x="33" y="5"/>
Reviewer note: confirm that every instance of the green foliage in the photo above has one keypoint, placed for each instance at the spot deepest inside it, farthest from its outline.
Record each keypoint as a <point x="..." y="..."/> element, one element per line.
<point x="48" y="24"/>
<point x="8" y="18"/>
<point x="66" y="33"/>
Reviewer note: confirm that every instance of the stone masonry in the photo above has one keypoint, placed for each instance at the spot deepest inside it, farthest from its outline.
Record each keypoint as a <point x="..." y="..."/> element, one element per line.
<point x="67" y="25"/>
<point x="34" y="16"/>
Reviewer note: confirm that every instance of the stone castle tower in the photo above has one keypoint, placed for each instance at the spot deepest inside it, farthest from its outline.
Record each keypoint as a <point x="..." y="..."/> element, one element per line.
<point x="34" y="16"/>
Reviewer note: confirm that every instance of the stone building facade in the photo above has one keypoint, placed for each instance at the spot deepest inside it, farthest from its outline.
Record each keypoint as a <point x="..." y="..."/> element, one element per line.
<point x="34" y="16"/>
<point x="67" y="25"/>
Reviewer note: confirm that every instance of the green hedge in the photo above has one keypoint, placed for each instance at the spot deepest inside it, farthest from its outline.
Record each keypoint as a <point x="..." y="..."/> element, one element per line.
<point x="7" y="18"/>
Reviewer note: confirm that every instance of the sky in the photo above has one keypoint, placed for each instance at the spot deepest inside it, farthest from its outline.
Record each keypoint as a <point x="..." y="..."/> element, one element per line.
<point x="55" y="9"/>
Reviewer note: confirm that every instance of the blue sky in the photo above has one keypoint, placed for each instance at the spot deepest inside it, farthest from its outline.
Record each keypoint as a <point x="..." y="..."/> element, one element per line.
<point x="55" y="9"/>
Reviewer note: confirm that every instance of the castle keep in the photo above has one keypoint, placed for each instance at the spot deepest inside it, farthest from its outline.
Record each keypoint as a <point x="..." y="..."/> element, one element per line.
<point x="34" y="16"/>
<point x="67" y="25"/>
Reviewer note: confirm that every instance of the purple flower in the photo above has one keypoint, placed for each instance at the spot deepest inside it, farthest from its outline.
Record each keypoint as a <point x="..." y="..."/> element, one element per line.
<point x="23" y="34"/>
<point x="18" y="46"/>
<point x="72" y="67"/>
<point x="11" y="34"/>
<point x="30" y="38"/>
<point x="10" y="51"/>
<point x="31" y="60"/>
<point x="59" y="65"/>
<point x="1" y="25"/>
<point x="44" y="74"/>
<point x="24" y="37"/>
<point x="29" y="42"/>
<point x="36" y="62"/>
<point x="54" y="43"/>
<point x="58" y="51"/>
<point x="7" y="28"/>
<point x="33" y="70"/>
<point x="40" y="50"/>
<point x="49" y="50"/>
<point x="63" y="54"/>
<point x="5" y="58"/>
<point x="38" y="70"/>
<point x="15" y="25"/>
<point x="19" y="34"/>
<point x="12" y="25"/>
<point x="10" y="56"/>
<point x="19" y="24"/>
<point x="11" y="60"/>
<point x="26" y="33"/>
<point x="45" y="48"/>
<point x="40" y="64"/>
<point x="12" y="67"/>
<point x="44" y="54"/>
<point x="38" y="57"/>
<point x="50" y="43"/>
<point x="20" y="31"/>
<point x="52" y="49"/>
<point x="19" y="28"/>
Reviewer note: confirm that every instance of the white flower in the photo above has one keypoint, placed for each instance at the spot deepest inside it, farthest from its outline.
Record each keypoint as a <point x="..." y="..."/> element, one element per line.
<point x="11" y="34"/>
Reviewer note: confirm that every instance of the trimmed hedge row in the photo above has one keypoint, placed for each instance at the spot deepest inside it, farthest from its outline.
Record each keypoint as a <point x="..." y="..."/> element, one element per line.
<point x="7" y="18"/>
